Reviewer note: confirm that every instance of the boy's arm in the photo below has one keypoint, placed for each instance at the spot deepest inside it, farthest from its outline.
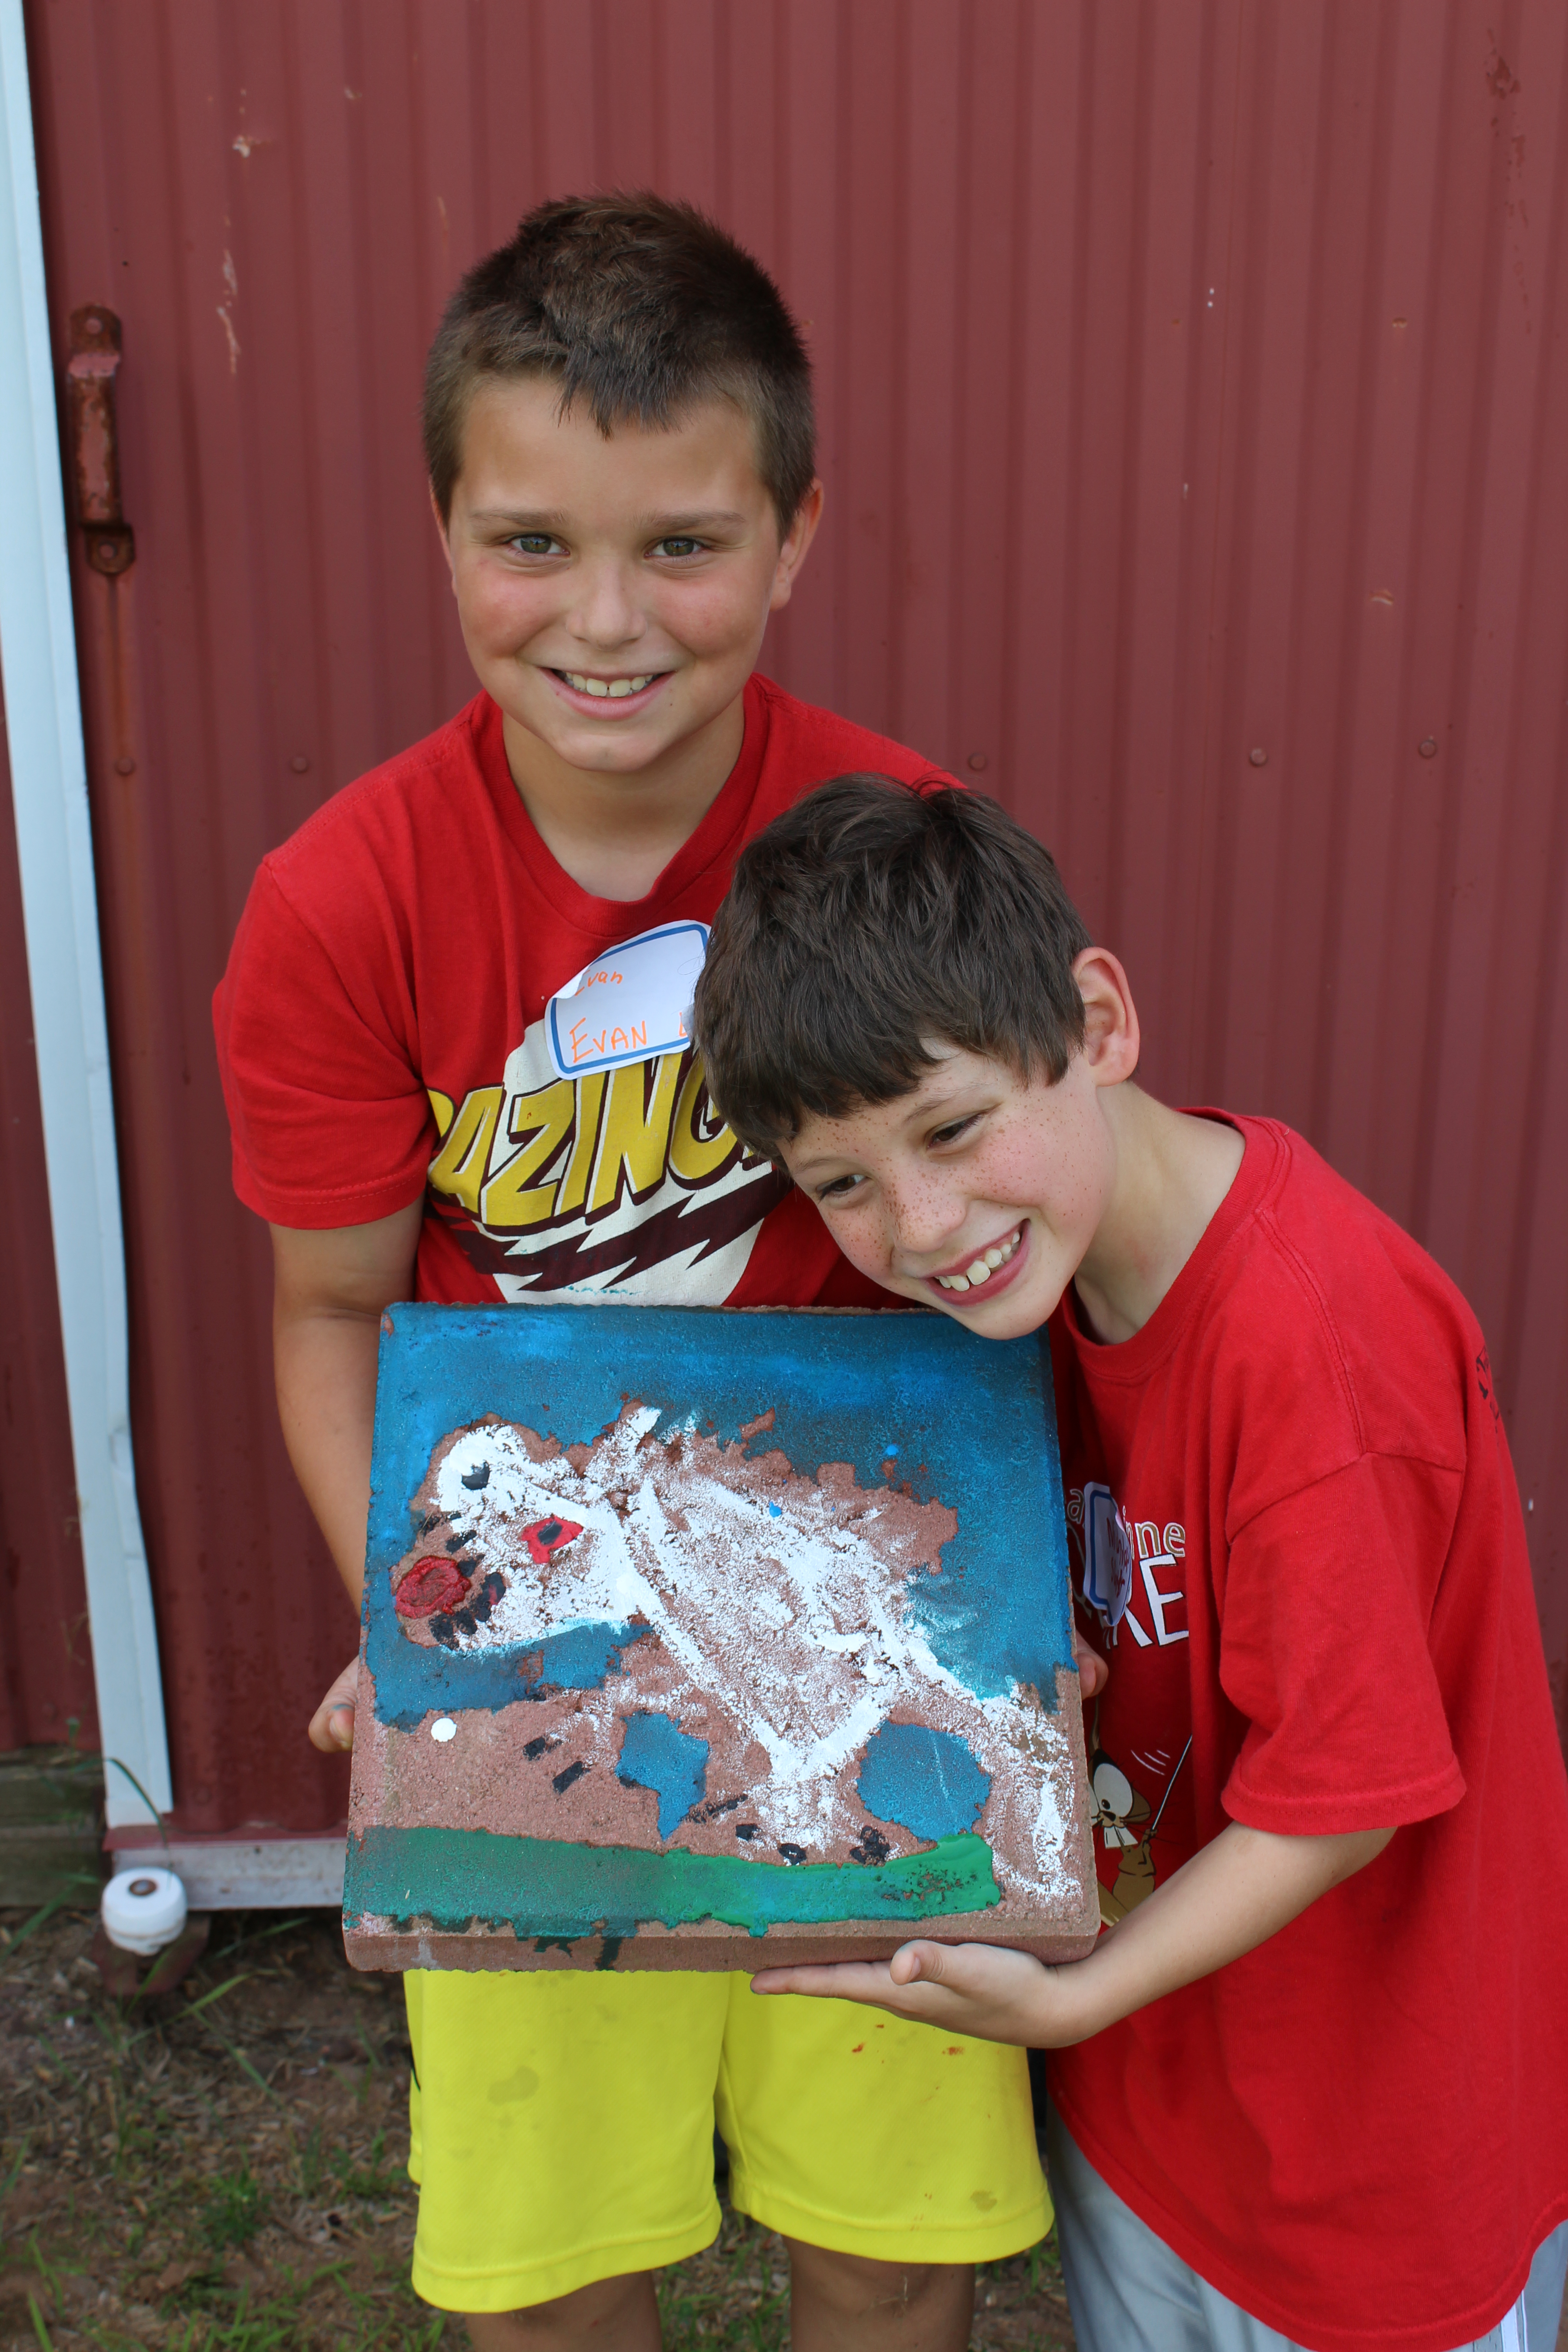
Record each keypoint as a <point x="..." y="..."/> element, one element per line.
<point x="329" y="1291"/>
<point x="1231" y="1896"/>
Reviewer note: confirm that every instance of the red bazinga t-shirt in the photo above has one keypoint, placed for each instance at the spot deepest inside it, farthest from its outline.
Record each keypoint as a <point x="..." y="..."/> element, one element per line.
<point x="381" y="1031"/>
<point x="1358" y="2132"/>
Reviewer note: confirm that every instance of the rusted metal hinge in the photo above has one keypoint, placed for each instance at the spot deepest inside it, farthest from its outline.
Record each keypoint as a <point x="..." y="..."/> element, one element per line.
<point x="95" y="447"/>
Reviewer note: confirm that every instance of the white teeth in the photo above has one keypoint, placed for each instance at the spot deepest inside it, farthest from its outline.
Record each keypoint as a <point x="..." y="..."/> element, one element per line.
<point x="612" y="688"/>
<point x="984" y="1266"/>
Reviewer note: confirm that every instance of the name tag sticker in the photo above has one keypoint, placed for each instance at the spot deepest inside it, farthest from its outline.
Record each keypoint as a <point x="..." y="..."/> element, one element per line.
<point x="629" y="1005"/>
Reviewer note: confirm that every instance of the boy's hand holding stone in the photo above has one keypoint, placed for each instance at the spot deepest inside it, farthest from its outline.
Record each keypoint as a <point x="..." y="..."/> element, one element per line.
<point x="1230" y="1898"/>
<point x="333" y="1725"/>
<point x="1093" y="1672"/>
<point x="972" y="1989"/>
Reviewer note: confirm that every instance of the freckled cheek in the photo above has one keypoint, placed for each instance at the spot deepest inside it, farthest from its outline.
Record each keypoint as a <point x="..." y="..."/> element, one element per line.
<point x="712" y="622"/>
<point x="1066" y="1186"/>
<point x="864" y="1242"/>
<point x="499" y="618"/>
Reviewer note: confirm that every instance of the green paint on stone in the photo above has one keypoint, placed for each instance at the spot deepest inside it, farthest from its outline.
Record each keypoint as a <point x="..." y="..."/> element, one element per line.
<point x="544" y="1886"/>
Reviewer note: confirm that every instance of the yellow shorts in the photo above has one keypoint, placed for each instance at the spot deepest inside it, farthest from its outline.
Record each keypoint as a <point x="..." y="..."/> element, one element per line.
<point x="561" y="2130"/>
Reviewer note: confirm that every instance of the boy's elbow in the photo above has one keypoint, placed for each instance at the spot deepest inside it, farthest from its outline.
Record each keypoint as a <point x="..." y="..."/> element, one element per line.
<point x="1357" y="1848"/>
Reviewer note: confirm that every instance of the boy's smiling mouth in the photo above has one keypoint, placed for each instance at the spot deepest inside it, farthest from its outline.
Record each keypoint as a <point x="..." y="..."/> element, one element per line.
<point x="990" y="1269"/>
<point x="587" y="686"/>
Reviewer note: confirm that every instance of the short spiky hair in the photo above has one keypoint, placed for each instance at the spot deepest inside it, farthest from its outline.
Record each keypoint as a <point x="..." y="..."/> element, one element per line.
<point x="638" y="306"/>
<point x="870" y="920"/>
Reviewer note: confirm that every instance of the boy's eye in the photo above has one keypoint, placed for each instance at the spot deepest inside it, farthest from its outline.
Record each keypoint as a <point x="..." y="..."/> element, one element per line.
<point x="531" y="542"/>
<point x="678" y="547"/>
<point x="953" y="1129"/>
<point x="840" y="1188"/>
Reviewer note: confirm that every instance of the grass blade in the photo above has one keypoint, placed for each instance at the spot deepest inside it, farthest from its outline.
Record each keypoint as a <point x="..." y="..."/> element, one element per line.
<point x="16" y="2172"/>
<point x="146" y="1799"/>
<point x="56" y="1902"/>
<point x="217" y="1992"/>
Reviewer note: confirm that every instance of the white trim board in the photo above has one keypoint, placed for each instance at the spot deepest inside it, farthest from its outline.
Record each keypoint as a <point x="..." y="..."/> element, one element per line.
<point x="247" y="1873"/>
<point x="54" y="845"/>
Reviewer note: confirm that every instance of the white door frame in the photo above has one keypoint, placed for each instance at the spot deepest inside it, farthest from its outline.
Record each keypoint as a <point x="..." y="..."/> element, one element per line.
<point x="59" y="903"/>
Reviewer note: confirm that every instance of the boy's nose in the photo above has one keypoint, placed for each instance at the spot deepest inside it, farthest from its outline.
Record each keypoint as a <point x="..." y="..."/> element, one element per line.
<point x="923" y="1217"/>
<point x="605" y="612"/>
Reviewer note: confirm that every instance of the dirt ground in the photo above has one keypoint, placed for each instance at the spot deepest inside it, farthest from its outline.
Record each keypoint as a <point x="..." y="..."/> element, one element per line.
<point x="223" y="2167"/>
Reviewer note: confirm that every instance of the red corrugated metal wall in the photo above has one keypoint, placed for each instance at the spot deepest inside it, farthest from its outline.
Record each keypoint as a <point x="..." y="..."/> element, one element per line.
<point x="1186" y="372"/>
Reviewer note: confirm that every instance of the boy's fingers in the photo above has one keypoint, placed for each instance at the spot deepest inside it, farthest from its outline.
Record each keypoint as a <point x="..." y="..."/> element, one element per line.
<point x="914" y="1985"/>
<point x="840" y="1980"/>
<point x="915" y="1963"/>
<point x="333" y="1725"/>
<point x="1093" y="1672"/>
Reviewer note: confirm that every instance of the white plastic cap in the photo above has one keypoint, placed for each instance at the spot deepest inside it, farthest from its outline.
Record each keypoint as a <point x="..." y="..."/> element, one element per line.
<point x="143" y="1910"/>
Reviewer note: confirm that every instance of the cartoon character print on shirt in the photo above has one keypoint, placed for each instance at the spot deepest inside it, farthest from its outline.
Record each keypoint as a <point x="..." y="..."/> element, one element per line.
<point x="620" y="1183"/>
<point x="1108" y="1549"/>
<point x="1120" y="1813"/>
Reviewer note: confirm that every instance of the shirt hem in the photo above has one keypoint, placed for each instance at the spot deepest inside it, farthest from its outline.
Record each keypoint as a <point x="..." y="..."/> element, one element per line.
<point x="1433" y="2336"/>
<point x="1419" y="1800"/>
<point x="321" y="1211"/>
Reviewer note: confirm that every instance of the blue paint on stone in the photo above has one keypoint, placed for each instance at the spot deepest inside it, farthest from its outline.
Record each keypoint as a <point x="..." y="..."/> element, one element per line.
<point x="657" y="1754"/>
<point x="411" y="1680"/>
<point x="926" y="1781"/>
<point x="997" y="1613"/>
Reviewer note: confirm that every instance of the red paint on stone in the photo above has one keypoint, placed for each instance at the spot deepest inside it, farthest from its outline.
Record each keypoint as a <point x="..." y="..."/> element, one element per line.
<point x="547" y="1536"/>
<point x="431" y="1584"/>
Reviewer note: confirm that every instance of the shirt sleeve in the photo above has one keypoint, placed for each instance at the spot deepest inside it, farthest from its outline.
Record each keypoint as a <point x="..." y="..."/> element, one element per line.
<point x="329" y="1116"/>
<point x="1325" y="1651"/>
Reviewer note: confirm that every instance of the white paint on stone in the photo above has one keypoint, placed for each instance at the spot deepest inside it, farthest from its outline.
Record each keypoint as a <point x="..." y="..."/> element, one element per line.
<point x="767" y="1593"/>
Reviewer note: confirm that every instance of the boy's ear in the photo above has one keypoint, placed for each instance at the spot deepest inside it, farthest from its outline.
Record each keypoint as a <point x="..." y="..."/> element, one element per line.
<point x="1111" y="1037"/>
<point x="792" y="549"/>
<point x="443" y="533"/>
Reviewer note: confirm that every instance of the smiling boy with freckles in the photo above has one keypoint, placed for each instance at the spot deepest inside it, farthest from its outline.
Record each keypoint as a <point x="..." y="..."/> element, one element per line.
<point x="1308" y="2089"/>
<point x="619" y="442"/>
<point x="614" y="611"/>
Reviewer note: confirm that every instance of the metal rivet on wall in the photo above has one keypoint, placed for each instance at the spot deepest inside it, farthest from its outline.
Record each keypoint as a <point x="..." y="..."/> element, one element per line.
<point x="1258" y="756"/>
<point x="299" y="763"/>
<point x="1427" y="747"/>
<point x="125" y="765"/>
<point x="977" y="761"/>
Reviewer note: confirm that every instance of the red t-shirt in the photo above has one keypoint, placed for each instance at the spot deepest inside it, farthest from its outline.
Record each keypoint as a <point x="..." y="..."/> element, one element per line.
<point x="1358" y="2132"/>
<point x="381" y="1031"/>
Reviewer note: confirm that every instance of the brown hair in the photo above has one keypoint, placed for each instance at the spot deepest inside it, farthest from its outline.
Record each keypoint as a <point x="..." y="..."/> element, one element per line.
<point x="869" y="921"/>
<point x="638" y="306"/>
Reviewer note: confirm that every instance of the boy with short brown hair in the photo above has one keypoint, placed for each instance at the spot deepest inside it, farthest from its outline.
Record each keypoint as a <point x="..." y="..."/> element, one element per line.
<point x="455" y="1055"/>
<point x="1309" y="2089"/>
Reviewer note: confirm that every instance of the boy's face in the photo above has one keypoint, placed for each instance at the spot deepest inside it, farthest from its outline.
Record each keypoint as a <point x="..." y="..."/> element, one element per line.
<point x="613" y="593"/>
<point x="980" y="1192"/>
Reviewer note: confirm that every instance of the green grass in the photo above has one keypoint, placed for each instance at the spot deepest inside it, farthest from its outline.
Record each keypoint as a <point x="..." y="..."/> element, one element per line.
<point x="734" y="2295"/>
<point x="236" y="2209"/>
